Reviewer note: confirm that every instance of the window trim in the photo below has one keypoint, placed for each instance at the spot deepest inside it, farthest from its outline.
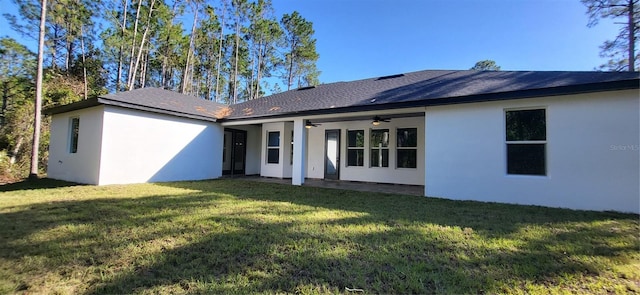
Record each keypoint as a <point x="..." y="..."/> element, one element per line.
<point x="363" y="148"/>
<point x="379" y="148"/>
<point x="74" y="137"/>
<point x="273" y="147"/>
<point x="544" y="142"/>
<point x="398" y="148"/>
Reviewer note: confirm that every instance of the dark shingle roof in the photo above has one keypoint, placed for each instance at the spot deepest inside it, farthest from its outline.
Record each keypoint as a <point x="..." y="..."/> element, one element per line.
<point x="422" y="88"/>
<point x="430" y="88"/>
<point x="154" y="100"/>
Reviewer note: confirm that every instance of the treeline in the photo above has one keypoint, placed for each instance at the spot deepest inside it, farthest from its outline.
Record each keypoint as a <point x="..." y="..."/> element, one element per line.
<point x="227" y="51"/>
<point x="224" y="50"/>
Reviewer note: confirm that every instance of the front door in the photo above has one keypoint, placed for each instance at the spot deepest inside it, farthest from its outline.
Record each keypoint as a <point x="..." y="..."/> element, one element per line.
<point x="332" y="154"/>
<point x="234" y="152"/>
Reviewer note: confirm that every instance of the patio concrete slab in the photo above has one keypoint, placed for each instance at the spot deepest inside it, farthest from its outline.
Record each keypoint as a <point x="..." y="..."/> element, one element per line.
<point x="413" y="190"/>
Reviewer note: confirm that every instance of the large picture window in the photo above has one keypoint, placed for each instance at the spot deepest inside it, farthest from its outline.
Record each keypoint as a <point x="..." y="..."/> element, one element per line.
<point x="74" y="129"/>
<point x="526" y="139"/>
<point x="273" y="147"/>
<point x="407" y="147"/>
<point x="355" y="148"/>
<point x="379" y="148"/>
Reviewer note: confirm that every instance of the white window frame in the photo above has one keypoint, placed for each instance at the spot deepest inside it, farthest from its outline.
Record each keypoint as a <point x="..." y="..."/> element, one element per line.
<point x="74" y="137"/>
<point x="398" y="148"/>
<point x="363" y="148"/>
<point x="380" y="148"/>
<point x="544" y="142"/>
<point x="269" y="147"/>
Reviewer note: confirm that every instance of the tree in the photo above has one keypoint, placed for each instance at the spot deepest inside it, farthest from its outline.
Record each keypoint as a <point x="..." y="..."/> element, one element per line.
<point x="485" y="65"/>
<point x="301" y="49"/>
<point x="621" y="52"/>
<point x="38" y="104"/>
<point x="17" y="70"/>
<point x="266" y="35"/>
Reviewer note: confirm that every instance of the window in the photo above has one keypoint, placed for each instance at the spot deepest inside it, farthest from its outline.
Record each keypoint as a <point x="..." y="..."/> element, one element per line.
<point x="273" y="147"/>
<point x="355" y="148"/>
<point x="291" y="156"/>
<point x="74" y="129"/>
<point x="526" y="138"/>
<point x="407" y="148"/>
<point x="380" y="148"/>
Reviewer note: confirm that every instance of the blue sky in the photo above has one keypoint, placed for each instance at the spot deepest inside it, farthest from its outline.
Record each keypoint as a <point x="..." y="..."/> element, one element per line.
<point x="369" y="38"/>
<point x="360" y="39"/>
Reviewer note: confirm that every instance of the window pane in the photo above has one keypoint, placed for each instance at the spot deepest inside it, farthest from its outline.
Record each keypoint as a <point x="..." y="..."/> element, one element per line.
<point x="75" y="128"/>
<point x="407" y="158"/>
<point x="274" y="138"/>
<point x="355" y="157"/>
<point x="273" y="156"/>
<point x="356" y="138"/>
<point x="407" y="137"/>
<point x="526" y="125"/>
<point x="527" y="159"/>
<point x="379" y="158"/>
<point x="380" y="137"/>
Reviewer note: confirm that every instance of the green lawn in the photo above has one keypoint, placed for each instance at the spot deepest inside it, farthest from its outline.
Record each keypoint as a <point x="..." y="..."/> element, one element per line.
<point x="232" y="236"/>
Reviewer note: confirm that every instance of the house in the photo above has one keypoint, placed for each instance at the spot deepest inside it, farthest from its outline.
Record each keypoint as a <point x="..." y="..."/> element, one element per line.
<point x="559" y="139"/>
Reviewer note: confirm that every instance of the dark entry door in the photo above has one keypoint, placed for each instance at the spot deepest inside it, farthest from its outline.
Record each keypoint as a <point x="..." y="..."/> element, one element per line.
<point x="234" y="152"/>
<point x="332" y="154"/>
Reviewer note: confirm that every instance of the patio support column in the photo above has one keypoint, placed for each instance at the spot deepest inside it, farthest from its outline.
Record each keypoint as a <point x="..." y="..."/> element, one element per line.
<point x="299" y="151"/>
<point x="426" y="147"/>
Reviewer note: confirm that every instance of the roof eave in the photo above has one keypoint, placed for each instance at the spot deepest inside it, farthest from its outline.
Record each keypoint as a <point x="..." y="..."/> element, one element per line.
<point x="93" y="102"/>
<point x="510" y="95"/>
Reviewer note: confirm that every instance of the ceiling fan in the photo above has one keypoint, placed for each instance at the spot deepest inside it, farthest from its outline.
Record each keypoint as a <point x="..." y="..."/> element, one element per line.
<point x="308" y="124"/>
<point x="377" y="120"/>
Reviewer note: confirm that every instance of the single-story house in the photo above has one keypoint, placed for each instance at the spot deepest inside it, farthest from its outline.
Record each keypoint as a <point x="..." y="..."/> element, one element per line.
<point x="559" y="139"/>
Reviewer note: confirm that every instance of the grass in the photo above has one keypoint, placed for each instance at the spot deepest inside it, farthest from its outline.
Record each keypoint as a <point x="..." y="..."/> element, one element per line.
<point x="232" y="236"/>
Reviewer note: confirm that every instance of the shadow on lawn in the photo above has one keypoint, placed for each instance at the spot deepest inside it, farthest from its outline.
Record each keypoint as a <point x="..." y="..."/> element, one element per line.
<point x="41" y="183"/>
<point x="236" y="253"/>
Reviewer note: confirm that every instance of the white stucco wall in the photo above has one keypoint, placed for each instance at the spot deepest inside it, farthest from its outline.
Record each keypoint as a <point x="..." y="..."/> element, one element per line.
<point x="271" y="169"/>
<point x="82" y="166"/>
<point x="391" y="174"/>
<point x="147" y="147"/>
<point x="592" y="153"/>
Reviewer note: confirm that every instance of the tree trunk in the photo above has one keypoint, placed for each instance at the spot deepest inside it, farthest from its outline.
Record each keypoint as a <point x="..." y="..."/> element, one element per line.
<point x="290" y="80"/>
<point x="131" y="74"/>
<point x="224" y="6"/>
<point x="142" y="42"/>
<point x="185" y="77"/>
<point x="235" y="70"/>
<point x="84" y="66"/>
<point x="144" y="67"/>
<point x="38" y="105"/>
<point x="16" y="149"/>
<point x="261" y="57"/>
<point x="121" y="51"/>
<point x="632" y="39"/>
